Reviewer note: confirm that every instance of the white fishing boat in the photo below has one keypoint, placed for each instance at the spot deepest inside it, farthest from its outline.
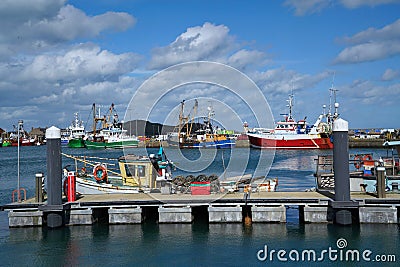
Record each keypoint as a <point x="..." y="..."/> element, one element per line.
<point x="76" y="133"/>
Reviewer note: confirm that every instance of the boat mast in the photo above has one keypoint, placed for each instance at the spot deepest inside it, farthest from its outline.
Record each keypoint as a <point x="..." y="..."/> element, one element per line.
<point x="332" y="90"/>
<point x="181" y="118"/>
<point x="108" y="120"/>
<point x="290" y="105"/>
<point x="210" y="116"/>
<point x="94" y="119"/>
<point x="196" y="104"/>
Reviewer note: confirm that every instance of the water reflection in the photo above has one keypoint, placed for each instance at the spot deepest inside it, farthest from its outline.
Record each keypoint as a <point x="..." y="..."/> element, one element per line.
<point x="183" y="244"/>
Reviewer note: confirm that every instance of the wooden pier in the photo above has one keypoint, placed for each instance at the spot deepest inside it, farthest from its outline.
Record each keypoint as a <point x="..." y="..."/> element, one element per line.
<point x="261" y="207"/>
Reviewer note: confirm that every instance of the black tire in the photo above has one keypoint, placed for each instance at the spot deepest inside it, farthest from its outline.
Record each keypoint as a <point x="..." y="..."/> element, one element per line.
<point x="201" y="178"/>
<point x="213" y="177"/>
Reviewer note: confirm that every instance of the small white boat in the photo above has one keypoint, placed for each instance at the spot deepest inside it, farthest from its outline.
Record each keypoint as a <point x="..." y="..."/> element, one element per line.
<point x="258" y="184"/>
<point x="127" y="174"/>
<point x="90" y="187"/>
<point x="268" y="185"/>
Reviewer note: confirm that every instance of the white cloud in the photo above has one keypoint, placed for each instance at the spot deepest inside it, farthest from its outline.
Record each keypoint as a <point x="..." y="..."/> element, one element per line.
<point x="28" y="113"/>
<point x="306" y="7"/>
<point x="67" y="82"/>
<point x="369" y="93"/>
<point x="368" y="52"/>
<point x="84" y="61"/>
<point x="44" y="99"/>
<point x="244" y="58"/>
<point x="38" y="24"/>
<point x="390" y="74"/>
<point x="388" y="33"/>
<point x="278" y="81"/>
<point x="71" y="23"/>
<point x="15" y="12"/>
<point x="363" y="101"/>
<point x="206" y="42"/>
<point x="371" y="44"/>
<point x="372" y="3"/>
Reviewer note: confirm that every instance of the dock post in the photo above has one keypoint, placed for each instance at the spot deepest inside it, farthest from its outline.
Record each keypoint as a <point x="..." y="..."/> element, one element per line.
<point x="341" y="160"/>
<point x="342" y="204"/>
<point x="54" y="207"/>
<point x="380" y="182"/>
<point x="39" y="187"/>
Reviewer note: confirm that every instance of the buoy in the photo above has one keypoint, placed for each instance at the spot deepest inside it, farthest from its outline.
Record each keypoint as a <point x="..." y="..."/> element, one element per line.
<point x="100" y="172"/>
<point x="367" y="157"/>
<point x="357" y="162"/>
<point x="247" y="220"/>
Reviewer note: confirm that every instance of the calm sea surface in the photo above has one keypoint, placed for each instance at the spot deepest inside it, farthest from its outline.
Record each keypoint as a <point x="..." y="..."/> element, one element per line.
<point x="200" y="243"/>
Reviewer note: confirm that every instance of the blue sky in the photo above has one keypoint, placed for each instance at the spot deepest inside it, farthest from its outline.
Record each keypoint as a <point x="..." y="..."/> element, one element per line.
<point x="58" y="57"/>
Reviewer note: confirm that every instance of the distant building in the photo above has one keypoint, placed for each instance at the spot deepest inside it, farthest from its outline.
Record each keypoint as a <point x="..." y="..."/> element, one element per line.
<point x="38" y="133"/>
<point x="374" y="133"/>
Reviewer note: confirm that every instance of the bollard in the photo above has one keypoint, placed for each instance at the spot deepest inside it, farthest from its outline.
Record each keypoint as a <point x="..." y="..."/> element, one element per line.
<point x="341" y="160"/>
<point x="54" y="177"/>
<point x="39" y="187"/>
<point x="342" y="205"/>
<point x="380" y="182"/>
<point x="71" y="188"/>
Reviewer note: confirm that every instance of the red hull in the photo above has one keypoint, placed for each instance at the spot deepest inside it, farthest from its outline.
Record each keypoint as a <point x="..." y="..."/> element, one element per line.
<point x="306" y="143"/>
<point x="23" y="143"/>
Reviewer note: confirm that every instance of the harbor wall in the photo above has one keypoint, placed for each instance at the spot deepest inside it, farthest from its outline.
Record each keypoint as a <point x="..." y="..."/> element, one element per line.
<point x="366" y="143"/>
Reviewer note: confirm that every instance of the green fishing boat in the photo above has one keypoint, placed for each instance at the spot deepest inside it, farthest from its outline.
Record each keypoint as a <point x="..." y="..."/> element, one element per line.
<point x="6" y="143"/>
<point x="111" y="133"/>
<point x="77" y="131"/>
<point x="124" y="143"/>
<point x="76" y="143"/>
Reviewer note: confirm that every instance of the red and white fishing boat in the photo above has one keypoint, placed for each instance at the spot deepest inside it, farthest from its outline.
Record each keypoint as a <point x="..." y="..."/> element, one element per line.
<point x="292" y="134"/>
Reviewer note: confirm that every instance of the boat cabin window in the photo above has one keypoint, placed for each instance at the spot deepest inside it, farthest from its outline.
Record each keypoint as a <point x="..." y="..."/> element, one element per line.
<point x="130" y="170"/>
<point x="141" y="170"/>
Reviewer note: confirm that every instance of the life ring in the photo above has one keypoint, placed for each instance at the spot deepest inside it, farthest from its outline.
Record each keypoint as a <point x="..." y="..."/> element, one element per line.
<point x="100" y="172"/>
<point x="358" y="161"/>
<point x="367" y="157"/>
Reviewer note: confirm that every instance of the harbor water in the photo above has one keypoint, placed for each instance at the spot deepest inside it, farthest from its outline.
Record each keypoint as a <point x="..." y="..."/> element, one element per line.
<point x="199" y="243"/>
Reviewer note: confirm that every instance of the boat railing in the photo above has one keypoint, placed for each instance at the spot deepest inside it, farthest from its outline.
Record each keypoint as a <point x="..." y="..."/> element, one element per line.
<point x="362" y="172"/>
<point x="85" y="161"/>
<point x="324" y="164"/>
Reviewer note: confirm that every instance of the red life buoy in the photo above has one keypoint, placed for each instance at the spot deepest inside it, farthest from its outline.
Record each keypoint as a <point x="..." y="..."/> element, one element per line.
<point x="100" y="172"/>
<point x="367" y="157"/>
<point x="358" y="161"/>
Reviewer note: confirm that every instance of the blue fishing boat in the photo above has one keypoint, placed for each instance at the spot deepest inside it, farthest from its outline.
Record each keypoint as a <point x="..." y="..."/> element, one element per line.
<point x="204" y="136"/>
